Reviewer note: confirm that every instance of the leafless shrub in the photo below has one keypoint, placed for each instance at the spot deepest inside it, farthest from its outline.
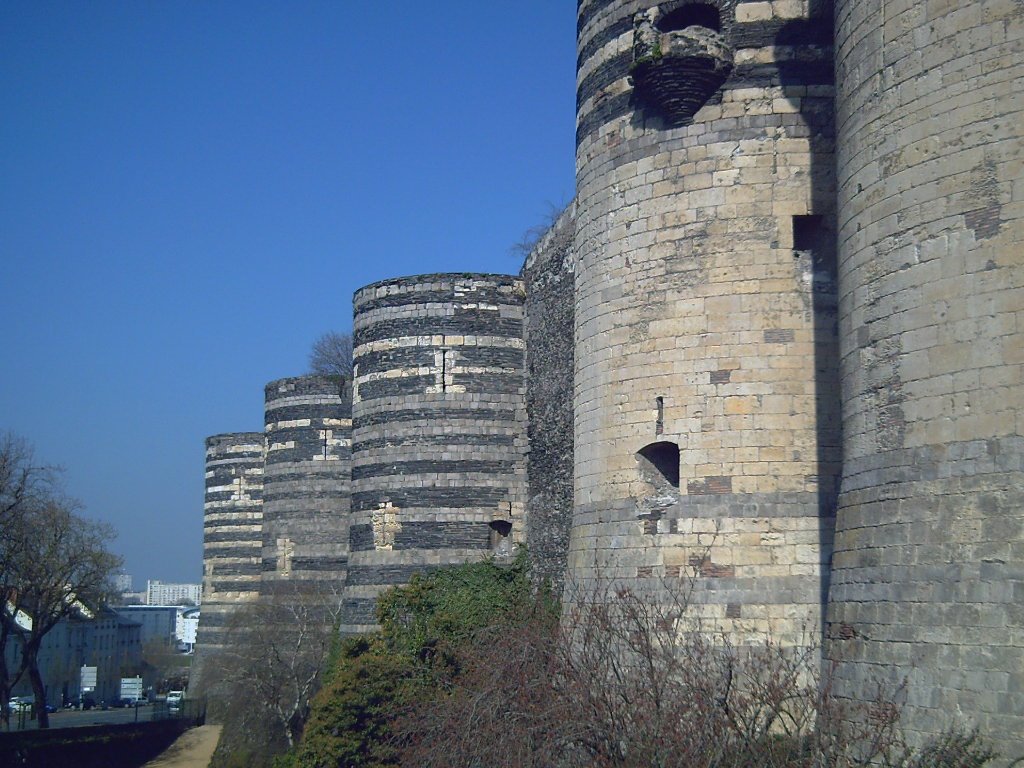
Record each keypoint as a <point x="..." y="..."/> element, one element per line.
<point x="271" y="665"/>
<point x="625" y="680"/>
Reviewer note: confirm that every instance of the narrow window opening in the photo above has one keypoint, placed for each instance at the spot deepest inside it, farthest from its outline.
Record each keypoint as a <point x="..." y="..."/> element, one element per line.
<point x="693" y="15"/>
<point x="661" y="459"/>
<point x="500" y="542"/>
<point x="323" y="436"/>
<point x="444" y="369"/>
<point x="659" y="424"/>
<point x="807" y="233"/>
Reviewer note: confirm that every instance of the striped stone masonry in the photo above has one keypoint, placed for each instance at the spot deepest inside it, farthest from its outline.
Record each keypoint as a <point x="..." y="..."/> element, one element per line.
<point x="232" y="534"/>
<point x="306" y="502"/>
<point x="438" y="430"/>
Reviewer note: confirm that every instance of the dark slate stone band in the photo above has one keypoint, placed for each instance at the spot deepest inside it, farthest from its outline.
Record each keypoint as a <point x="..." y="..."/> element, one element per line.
<point x="453" y="467"/>
<point x="457" y="534"/>
<point x="385" y="575"/>
<point x="772" y="505"/>
<point x="359" y="610"/>
<point x="426" y="498"/>
<point x="395" y="387"/>
<point x="319" y="563"/>
<point x="463" y="322"/>
<point x="446" y="440"/>
<point x="400" y="357"/>
<point x="432" y="415"/>
<point x="315" y="412"/>
<point x="236" y="569"/>
<point x="488" y="293"/>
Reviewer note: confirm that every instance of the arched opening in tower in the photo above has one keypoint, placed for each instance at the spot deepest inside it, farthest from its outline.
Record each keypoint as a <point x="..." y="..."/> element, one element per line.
<point x="501" y="544"/>
<point x="693" y="15"/>
<point x="663" y="458"/>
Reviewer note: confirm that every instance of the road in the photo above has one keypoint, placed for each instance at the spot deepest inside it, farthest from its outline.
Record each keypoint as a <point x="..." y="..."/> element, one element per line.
<point x="69" y="718"/>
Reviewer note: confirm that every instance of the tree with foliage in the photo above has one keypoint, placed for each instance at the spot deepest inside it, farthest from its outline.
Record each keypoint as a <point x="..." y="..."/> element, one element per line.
<point x="410" y="663"/>
<point x="331" y="355"/>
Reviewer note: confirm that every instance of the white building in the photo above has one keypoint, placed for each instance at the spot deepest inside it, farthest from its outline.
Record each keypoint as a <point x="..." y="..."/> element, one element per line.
<point x="186" y="628"/>
<point x="158" y="593"/>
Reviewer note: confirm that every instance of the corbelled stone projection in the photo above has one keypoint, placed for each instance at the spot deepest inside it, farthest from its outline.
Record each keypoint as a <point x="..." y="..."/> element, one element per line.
<point x="438" y="430"/>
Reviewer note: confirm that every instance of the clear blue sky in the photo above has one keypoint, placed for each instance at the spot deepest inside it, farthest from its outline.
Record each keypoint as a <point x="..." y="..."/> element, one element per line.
<point x="190" y="192"/>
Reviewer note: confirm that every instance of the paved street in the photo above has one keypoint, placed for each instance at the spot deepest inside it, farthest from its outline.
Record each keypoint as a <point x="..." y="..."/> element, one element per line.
<point x="74" y="719"/>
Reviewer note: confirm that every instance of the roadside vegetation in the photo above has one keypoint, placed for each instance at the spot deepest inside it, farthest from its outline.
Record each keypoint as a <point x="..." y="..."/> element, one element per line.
<point x="474" y="667"/>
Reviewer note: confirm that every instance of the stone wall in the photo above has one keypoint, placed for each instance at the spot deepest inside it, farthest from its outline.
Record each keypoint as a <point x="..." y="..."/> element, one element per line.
<point x="550" y="308"/>
<point x="438" y="431"/>
<point x="706" y="407"/>
<point x="928" y="575"/>
<point x="306" y="484"/>
<point x="232" y="525"/>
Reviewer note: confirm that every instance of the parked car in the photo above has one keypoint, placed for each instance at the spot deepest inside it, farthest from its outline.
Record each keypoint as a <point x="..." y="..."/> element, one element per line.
<point x="174" y="700"/>
<point x="21" y="703"/>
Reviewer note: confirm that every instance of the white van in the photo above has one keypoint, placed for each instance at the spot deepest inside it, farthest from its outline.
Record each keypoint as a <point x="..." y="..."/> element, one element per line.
<point x="174" y="700"/>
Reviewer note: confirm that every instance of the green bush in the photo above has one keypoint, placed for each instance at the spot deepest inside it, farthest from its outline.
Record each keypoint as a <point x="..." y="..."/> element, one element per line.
<point x="374" y="679"/>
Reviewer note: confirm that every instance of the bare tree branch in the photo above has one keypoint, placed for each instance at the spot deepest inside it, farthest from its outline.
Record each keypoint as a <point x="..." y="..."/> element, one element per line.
<point x="331" y="355"/>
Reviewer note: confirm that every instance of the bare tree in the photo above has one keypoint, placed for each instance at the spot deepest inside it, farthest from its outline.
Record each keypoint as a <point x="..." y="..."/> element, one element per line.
<point x="274" y="656"/>
<point x="331" y="355"/>
<point x="62" y="568"/>
<point x="24" y="485"/>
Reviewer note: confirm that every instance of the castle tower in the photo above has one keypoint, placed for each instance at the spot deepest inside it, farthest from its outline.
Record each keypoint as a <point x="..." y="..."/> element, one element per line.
<point x="232" y="522"/>
<point x="928" y="576"/>
<point x="438" y="434"/>
<point x="306" y="484"/>
<point x="706" y="406"/>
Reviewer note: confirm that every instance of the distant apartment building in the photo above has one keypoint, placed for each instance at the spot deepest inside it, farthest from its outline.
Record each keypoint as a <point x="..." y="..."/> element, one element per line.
<point x="158" y="593"/>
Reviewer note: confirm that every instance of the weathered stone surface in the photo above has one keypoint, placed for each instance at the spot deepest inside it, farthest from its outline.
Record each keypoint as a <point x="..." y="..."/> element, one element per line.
<point x="439" y="429"/>
<point x="929" y="561"/>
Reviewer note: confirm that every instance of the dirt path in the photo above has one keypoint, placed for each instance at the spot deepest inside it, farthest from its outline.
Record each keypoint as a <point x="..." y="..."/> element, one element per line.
<point x="192" y="749"/>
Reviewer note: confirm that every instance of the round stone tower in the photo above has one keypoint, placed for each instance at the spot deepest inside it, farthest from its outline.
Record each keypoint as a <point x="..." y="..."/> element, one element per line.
<point x="438" y="448"/>
<point x="706" y="405"/>
<point x="928" y="577"/>
<point x="306" y="484"/>
<point x="232" y="522"/>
